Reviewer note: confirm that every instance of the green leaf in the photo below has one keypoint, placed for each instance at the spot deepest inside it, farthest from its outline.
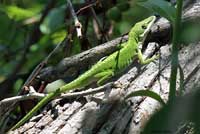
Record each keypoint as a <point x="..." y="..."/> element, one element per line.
<point x="147" y="93"/>
<point x="17" y="13"/>
<point x="124" y="26"/>
<point x="162" y="7"/>
<point x="17" y="85"/>
<point x="114" y="14"/>
<point x="53" y="21"/>
<point x="58" y="36"/>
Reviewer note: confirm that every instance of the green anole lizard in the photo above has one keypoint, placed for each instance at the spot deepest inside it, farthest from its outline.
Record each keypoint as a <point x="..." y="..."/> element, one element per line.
<point x="104" y="69"/>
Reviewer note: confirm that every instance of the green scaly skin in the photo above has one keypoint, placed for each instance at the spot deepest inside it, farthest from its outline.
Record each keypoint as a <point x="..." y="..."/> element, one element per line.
<point x="104" y="69"/>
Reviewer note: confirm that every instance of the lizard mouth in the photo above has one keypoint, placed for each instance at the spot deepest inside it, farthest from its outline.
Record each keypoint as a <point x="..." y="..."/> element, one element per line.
<point x="147" y="30"/>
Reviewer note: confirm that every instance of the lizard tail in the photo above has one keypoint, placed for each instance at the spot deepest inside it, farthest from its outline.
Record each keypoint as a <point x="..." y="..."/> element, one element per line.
<point x="44" y="101"/>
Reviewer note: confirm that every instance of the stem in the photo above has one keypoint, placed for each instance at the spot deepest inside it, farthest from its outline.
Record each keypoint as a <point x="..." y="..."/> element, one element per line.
<point x="174" y="56"/>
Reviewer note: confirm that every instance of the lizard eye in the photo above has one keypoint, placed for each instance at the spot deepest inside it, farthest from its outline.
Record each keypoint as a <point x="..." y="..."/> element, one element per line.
<point x="144" y="27"/>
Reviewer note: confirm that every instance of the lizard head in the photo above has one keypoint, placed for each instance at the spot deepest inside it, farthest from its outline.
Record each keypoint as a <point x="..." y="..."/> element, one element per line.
<point x="142" y="28"/>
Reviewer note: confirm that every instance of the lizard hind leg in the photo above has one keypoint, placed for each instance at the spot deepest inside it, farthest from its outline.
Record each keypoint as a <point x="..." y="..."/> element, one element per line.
<point x="103" y="76"/>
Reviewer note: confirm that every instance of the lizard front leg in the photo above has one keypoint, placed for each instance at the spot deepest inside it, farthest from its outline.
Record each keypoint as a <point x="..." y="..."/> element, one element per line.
<point x="145" y="61"/>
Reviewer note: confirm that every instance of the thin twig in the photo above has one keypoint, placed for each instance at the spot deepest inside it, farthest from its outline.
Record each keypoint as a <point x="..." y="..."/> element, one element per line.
<point x="85" y="7"/>
<point x="22" y="97"/>
<point x="98" y="23"/>
<point x="88" y="92"/>
<point x="58" y="46"/>
<point x="40" y="66"/>
<point x="77" y="23"/>
<point x="35" y="95"/>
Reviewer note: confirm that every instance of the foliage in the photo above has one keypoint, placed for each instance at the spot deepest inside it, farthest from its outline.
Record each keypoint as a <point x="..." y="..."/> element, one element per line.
<point x="17" y="13"/>
<point x="178" y="116"/>
<point x="147" y="93"/>
<point x="161" y="7"/>
<point x="49" y="24"/>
